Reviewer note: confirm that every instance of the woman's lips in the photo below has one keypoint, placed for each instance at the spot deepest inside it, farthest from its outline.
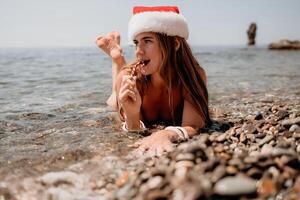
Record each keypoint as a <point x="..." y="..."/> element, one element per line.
<point x="145" y="62"/>
<point x="143" y="66"/>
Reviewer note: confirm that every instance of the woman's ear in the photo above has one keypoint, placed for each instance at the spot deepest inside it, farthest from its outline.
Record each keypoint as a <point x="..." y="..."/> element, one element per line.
<point x="177" y="43"/>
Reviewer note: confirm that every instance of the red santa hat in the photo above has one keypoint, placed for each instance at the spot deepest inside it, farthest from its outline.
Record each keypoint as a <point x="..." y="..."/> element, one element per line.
<point x="160" y="19"/>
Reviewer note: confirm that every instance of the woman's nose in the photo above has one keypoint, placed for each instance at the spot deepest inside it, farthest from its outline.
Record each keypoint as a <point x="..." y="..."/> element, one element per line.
<point x="139" y="50"/>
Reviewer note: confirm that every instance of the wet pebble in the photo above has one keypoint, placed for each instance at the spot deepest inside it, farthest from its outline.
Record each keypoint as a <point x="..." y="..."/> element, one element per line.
<point x="185" y="156"/>
<point x="64" y="177"/>
<point x="218" y="173"/>
<point x="295" y="128"/>
<point x="281" y="151"/>
<point x="122" y="179"/>
<point x="90" y="123"/>
<point x="155" y="182"/>
<point x="221" y="137"/>
<point x="235" y="185"/>
<point x="289" y="122"/>
<point x="184" y="163"/>
<point x="298" y="148"/>
<point x="258" y="115"/>
<point x="266" y="150"/>
<point x="36" y="116"/>
<point x="57" y="194"/>
<point x="266" y="187"/>
<point x="266" y="139"/>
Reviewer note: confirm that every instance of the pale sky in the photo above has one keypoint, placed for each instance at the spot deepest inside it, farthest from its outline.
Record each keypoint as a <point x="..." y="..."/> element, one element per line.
<point x="54" y="23"/>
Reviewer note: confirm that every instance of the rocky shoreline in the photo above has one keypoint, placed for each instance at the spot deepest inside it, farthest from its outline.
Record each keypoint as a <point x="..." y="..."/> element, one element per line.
<point x="285" y="45"/>
<point x="251" y="152"/>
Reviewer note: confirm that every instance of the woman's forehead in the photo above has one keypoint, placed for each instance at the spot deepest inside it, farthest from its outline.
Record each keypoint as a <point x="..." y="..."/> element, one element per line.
<point x="143" y="35"/>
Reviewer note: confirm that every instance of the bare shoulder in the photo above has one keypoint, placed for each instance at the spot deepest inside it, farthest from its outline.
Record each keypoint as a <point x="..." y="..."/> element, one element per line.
<point x="202" y="74"/>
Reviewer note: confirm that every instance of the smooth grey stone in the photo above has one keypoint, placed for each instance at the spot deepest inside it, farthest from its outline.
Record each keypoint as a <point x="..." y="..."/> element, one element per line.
<point x="266" y="150"/>
<point x="218" y="173"/>
<point x="58" y="194"/>
<point x="235" y="185"/>
<point x="185" y="156"/>
<point x="294" y="128"/>
<point x="63" y="177"/>
<point x="155" y="182"/>
<point x="289" y="122"/>
<point x="266" y="139"/>
<point x="282" y="151"/>
<point x="298" y="148"/>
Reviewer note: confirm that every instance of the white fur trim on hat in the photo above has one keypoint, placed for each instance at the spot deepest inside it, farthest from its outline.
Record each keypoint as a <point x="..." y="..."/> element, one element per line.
<point x="170" y="23"/>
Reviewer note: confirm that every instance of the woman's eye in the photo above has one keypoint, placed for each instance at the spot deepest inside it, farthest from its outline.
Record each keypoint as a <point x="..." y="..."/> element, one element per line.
<point x="148" y="41"/>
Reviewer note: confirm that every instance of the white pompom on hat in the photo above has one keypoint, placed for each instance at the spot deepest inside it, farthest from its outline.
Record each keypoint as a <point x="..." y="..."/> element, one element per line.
<point x="159" y="19"/>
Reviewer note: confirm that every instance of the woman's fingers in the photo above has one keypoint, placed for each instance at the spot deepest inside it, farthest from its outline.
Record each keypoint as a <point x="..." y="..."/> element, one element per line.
<point x="123" y="96"/>
<point x="128" y="78"/>
<point x="139" y="142"/>
<point x="136" y="144"/>
<point x="128" y="88"/>
<point x="128" y="83"/>
<point x="151" y="153"/>
<point x="141" y="150"/>
<point x="169" y="148"/>
<point x="133" y="145"/>
<point x="159" y="151"/>
<point x="151" y="150"/>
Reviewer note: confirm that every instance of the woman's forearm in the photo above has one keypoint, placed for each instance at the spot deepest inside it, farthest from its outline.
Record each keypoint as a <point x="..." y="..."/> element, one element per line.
<point x="180" y="134"/>
<point x="192" y="131"/>
<point x="133" y="122"/>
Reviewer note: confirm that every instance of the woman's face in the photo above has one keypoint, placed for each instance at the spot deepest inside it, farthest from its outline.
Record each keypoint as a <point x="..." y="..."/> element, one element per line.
<point x="148" y="50"/>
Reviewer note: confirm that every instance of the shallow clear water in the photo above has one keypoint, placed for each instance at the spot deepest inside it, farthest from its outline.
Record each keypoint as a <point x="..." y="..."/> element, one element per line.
<point x="254" y="70"/>
<point x="39" y="80"/>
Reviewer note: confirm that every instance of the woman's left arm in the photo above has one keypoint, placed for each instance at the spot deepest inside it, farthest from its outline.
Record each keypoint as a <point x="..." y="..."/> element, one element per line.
<point x="191" y="119"/>
<point x="163" y="140"/>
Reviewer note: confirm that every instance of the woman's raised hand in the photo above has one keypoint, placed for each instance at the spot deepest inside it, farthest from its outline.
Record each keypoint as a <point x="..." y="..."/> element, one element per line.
<point x="129" y="96"/>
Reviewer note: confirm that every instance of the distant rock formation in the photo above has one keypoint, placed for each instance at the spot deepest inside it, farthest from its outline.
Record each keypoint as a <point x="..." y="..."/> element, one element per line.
<point x="285" y="45"/>
<point x="251" y="34"/>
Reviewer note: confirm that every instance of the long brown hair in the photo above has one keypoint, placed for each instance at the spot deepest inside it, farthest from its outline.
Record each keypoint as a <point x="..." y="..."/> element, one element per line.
<point x="181" y="67"/>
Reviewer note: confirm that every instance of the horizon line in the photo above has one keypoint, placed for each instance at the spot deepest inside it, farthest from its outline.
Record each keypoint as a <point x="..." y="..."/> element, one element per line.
<point x="127" y="45"/>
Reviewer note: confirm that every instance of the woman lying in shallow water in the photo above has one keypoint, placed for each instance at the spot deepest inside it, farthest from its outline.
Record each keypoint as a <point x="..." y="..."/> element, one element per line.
<point x="166" y="85"/>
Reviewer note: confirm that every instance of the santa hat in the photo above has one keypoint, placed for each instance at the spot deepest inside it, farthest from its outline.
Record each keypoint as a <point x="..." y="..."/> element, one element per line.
<point x="160" y="19"/>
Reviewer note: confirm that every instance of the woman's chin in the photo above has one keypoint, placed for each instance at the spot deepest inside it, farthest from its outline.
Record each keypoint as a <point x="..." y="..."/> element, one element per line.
<point x="144" y="73"/>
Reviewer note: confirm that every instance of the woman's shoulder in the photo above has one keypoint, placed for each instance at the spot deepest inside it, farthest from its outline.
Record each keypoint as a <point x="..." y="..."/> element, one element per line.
<point x="202" y="74"/>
